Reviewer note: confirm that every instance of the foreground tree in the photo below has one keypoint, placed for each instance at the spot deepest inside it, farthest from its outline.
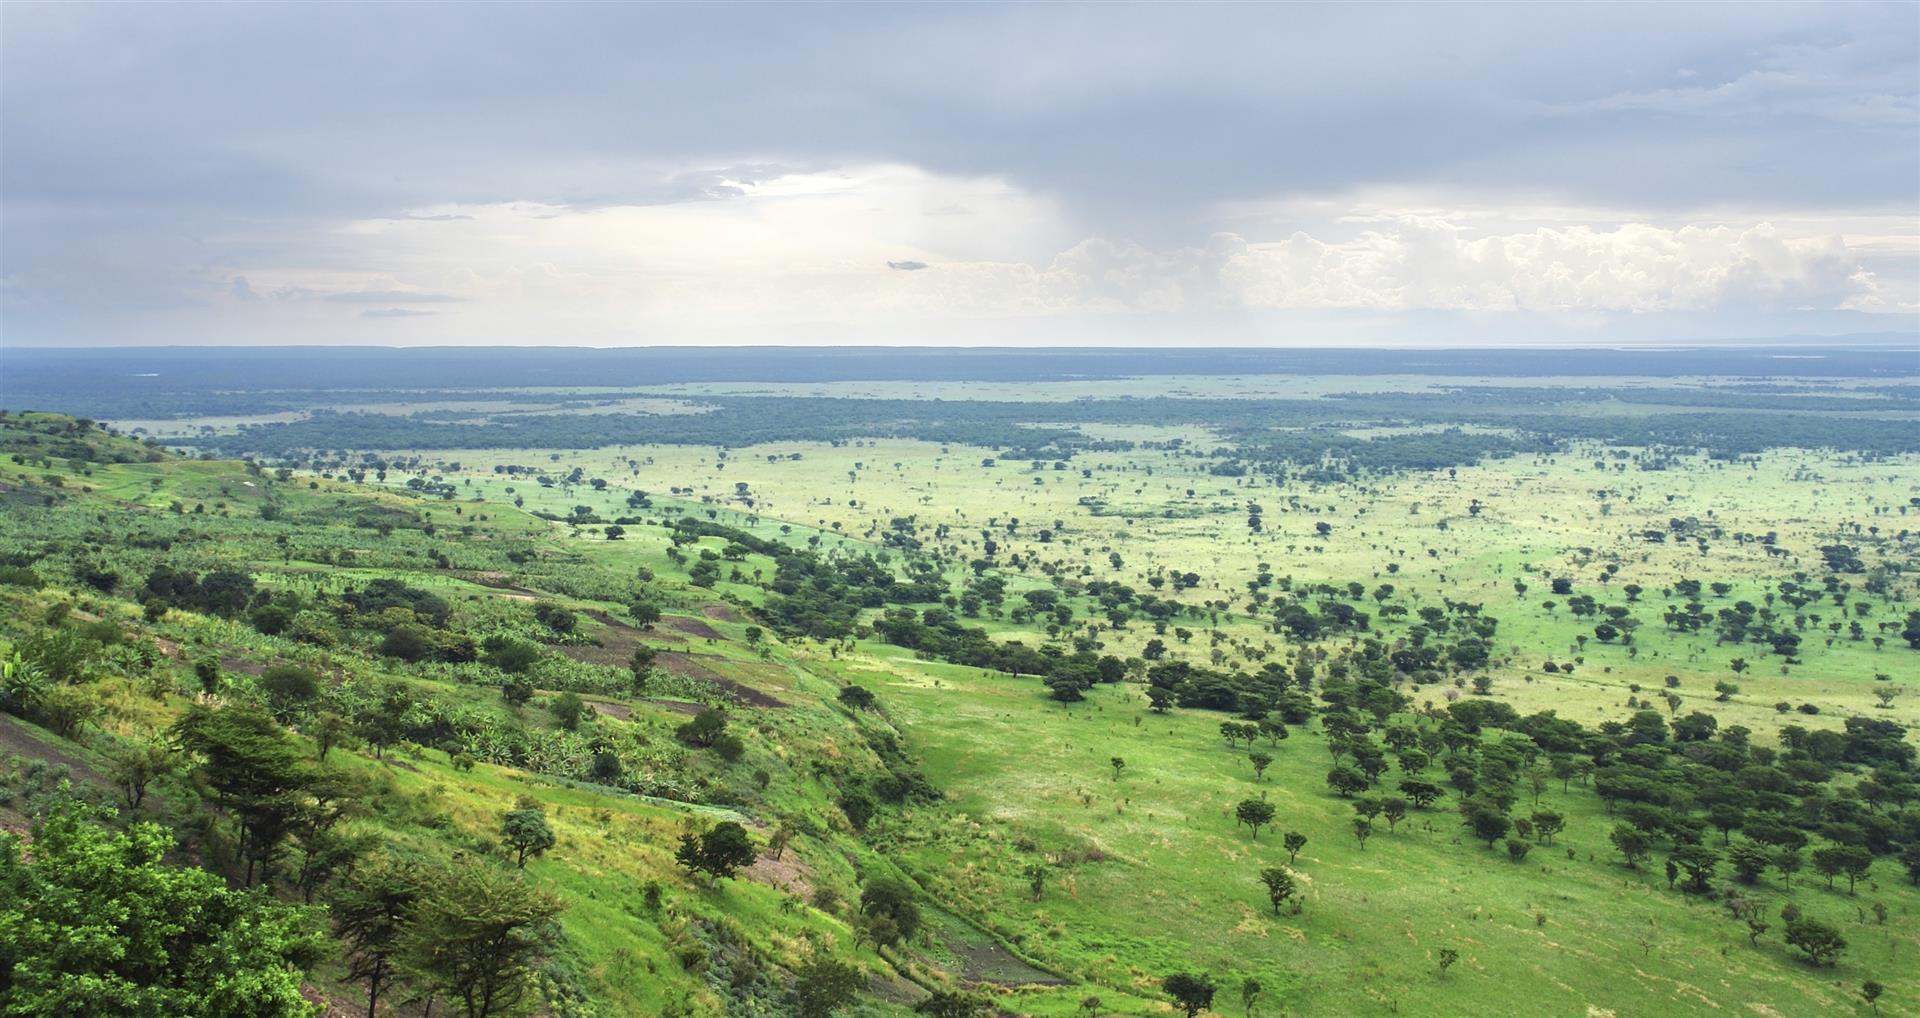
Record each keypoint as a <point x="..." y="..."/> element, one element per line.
<point x="478" y="931"/>
<point x="92" y="922"/>
<point x="372" y="913"/>
<point x="1821" y="943"/>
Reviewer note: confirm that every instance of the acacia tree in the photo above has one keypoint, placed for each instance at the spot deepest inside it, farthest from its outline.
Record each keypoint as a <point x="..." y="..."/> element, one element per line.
<point x="1821" y="942"/>
<point x="719" y="853"/>
<point x="524" y="829"/>
<point x="371" y="913"/>
<point x="1280" y="886"/>
<point x="1190" y="992"/>
<point x="1294" y="841"/>
<point x="1633" y="843"/>
<point x="477" y="933"/>
<point x="1255" y="813"/>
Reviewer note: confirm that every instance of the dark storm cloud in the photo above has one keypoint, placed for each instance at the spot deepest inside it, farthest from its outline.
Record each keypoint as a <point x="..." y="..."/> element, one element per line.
<point x="318" y="107"/>
<point x="907" y="266"/>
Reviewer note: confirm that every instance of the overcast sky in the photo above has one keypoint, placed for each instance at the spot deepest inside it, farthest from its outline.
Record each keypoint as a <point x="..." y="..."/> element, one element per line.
<point x="614" y="175"/>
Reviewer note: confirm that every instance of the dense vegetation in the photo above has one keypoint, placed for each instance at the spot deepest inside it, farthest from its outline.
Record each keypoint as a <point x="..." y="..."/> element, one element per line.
<point x="407" y="716"/>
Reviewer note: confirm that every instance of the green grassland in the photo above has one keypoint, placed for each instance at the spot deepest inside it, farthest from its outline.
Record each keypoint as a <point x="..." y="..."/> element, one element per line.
<point x="1146" y="872"/>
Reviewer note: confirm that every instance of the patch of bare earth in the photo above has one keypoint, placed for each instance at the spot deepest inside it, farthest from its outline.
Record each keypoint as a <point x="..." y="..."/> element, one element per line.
<point x="15" y="739"/>
<point x="692" y="627"/>
<point x="693" y="667"/>
<point x="617" y="711"/>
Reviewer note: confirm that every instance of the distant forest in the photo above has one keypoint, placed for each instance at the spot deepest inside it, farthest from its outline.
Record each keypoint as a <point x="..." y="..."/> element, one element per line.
<point x="1782" y="401"/>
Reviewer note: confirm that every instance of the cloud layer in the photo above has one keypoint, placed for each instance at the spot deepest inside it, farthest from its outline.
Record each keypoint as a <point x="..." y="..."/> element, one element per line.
<point x="980" y="174"/>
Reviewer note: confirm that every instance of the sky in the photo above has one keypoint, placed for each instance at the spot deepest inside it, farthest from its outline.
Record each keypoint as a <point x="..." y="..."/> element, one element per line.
<point x="973" y="174"/>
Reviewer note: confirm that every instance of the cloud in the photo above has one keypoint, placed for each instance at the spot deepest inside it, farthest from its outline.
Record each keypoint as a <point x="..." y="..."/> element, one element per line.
<point x="395" y="313"/>
<point x="907" y="266"/>
<point x="391" y="297"/>
<point x="661" y="173"/>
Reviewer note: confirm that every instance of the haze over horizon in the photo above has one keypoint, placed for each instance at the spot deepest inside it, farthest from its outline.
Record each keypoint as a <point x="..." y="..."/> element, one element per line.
<point x="957" y="175"/>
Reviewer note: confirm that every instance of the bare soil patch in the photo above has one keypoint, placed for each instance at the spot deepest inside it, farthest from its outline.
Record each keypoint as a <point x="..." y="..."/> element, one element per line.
<point x="15" y="739"/>
<point x="694" y="666"/>
<point x="692" y="627"/>
<point x="617" y="711"/>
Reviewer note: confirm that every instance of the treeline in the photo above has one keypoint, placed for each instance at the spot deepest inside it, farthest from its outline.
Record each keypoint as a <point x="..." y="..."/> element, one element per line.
<point x="1525" y="423"/>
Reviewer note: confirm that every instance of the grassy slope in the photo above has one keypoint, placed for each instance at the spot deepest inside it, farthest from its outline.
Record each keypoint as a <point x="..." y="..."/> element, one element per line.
<point x="1178" y="890"/>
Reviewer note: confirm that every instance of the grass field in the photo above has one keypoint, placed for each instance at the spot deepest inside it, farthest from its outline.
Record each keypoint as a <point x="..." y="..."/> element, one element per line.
<point x="1143" y="872"/>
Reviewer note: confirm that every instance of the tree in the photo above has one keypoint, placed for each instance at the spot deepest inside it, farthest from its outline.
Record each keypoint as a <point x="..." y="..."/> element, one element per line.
<point x="477" y="933"/>
<point x="525" y="831"/>
<point x="1489" y="825"/>
<point x="888" y="904"/>
<point x="1821" y="942"/>
<point x="257" y="774"/>
<point x="1190" y="992"/>
<point x="1749" y="862"/>
<point x="1362" y="830"/>
<point x="705" y="728"/>
<point x="1280" y="886"/>
<point x="1261" y="761"/>
<point x="135" y="767"/>
<point x="1787" y="860"/>
<point x="823" y="986"/>
<point x="1036" y="874"/>
<point x="1852" y="860"/>
<point x="1699" y="862"/>
<point x="569" y="710"/>
<point x="719" y="852"/>
<point x="328" y="730"/>
<point x="96" y="923"/>
<point x="1872" y="991"/>
<point x="371" y="913"/>
<point x="289" y="688"/>
<point x="1159" y="699"/>
<point x="1118" y="766"/>
<point x="1294" y="841"/>
<point x="1633" y="843"/>
<point x="857" y="697"/>
<point x="1394" y="807"/>
<point x="1250" y="990"/>
<point x="1447" y="958"/>
<point x="1546" y="824"/>
<point x="1255" y="813"/>
<point x="67" y="709"/>
<point x="1347" y="781"/>
<point x="1517" y="849"/>
<point x="640" y="665"/>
